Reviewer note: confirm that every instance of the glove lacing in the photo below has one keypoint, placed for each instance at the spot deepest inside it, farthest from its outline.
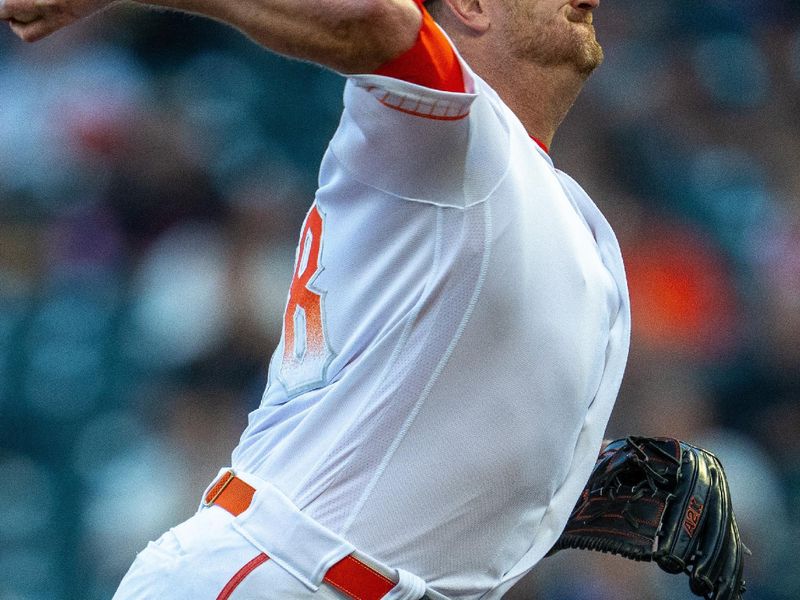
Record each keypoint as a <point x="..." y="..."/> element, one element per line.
<point x="653" y="479"/>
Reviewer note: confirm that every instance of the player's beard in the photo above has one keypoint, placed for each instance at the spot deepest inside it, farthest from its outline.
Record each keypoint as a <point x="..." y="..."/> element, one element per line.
<point x="552" y="41"/>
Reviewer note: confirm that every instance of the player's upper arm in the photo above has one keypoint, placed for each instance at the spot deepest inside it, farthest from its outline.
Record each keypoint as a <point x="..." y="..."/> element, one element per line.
<point x="349" y="36"/>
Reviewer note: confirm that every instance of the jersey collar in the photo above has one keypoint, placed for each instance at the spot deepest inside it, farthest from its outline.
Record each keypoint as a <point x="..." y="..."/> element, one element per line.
<point x="541" y="144"/>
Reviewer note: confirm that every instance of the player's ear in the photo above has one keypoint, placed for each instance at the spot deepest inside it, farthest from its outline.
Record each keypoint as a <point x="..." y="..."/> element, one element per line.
<point x="471" y="13"/>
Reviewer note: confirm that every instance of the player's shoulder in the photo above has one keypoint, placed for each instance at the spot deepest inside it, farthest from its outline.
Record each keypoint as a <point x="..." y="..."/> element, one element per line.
<point x="431" y="146"/>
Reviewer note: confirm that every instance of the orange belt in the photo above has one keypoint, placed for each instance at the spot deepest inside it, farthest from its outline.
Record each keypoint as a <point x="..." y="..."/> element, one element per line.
<point x="350" y="576"/>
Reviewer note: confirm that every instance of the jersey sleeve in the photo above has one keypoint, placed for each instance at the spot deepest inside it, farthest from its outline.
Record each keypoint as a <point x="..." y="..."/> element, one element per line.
<point x="422" y="127"/>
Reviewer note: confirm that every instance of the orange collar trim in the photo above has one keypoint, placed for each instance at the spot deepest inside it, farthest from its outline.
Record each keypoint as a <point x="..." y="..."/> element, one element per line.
<point x="541" y="144"/>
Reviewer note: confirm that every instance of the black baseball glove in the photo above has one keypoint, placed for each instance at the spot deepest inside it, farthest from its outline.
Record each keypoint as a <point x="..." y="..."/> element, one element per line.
<point x="662" y="500"/>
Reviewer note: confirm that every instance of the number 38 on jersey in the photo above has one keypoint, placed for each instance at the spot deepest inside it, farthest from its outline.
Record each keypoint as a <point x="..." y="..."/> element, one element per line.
<point x="306" y="353"/>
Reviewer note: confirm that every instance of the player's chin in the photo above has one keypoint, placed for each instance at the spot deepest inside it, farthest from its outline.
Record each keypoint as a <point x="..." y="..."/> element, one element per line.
<point x="588" y="56"/>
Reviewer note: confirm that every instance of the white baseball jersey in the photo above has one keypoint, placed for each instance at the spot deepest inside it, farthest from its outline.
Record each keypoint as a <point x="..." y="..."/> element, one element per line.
<point x="454" y="339"/>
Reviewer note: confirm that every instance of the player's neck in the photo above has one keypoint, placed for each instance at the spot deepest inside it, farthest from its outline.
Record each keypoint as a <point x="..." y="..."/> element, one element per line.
<point x="539" y="96"/>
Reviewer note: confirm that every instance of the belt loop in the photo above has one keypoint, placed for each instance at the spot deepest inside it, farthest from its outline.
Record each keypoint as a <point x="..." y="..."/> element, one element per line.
<point x="409" y="587"/>
<point x="211" y="497"/>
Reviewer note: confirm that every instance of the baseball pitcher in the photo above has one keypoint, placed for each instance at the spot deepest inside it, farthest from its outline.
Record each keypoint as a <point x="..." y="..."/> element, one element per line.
<point x="454" y="337"/>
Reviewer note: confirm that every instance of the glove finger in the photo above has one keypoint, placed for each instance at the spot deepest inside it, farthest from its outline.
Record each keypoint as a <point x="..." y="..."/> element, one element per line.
<point x="712" y="533"/>
<point x="729" y="583"/>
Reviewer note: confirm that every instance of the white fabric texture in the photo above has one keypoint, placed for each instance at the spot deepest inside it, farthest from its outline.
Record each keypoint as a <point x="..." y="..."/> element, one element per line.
<point x="475" y="323"/>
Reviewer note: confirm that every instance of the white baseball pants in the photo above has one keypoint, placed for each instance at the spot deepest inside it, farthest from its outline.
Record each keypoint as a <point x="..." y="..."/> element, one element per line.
<point x="269" y="552"/>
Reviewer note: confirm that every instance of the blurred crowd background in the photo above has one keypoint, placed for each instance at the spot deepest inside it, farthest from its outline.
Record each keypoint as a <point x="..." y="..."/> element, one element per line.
<point x="154" y="172"/>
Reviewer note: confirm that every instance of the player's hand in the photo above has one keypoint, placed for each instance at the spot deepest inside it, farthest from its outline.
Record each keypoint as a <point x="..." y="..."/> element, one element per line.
<point x="32" y="20"/>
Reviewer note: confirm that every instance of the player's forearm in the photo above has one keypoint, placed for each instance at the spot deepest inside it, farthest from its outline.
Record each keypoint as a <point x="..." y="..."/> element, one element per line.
<point x="345" y="35"/>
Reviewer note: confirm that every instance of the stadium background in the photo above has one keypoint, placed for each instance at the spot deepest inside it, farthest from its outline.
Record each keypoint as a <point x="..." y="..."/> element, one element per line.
<point x="155" y="168"/>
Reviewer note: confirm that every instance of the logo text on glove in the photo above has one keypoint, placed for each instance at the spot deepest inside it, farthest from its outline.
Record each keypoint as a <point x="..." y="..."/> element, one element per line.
<point x="692" y="518"/>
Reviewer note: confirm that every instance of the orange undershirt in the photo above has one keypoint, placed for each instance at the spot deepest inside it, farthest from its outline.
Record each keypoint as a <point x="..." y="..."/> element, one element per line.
<point x="431" y="62"/>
